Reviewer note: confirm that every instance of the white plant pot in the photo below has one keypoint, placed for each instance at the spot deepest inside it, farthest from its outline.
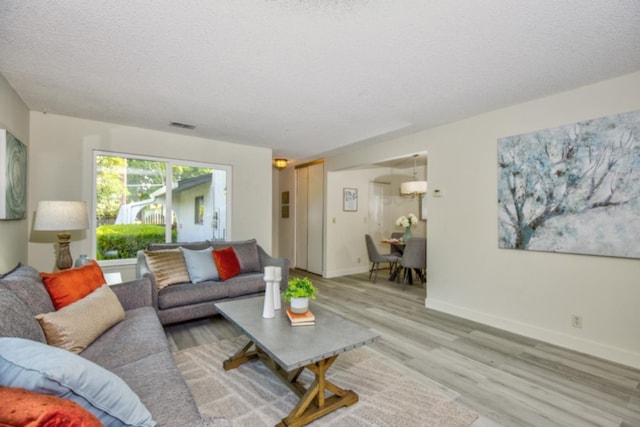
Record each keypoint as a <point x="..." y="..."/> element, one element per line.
<point x="299" y="305"/>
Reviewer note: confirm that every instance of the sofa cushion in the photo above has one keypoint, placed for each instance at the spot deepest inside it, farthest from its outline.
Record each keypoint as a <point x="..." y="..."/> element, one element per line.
<point x="191" y="293"/>
<point x="78" y="324"/>
<point x="247" y="253"/>
<point x="45" y="369"/>
<point x="37" y="409"/>
<point x="168" y="267"/>
<point x="26" y="283"/>
<point x="140" y="326"/>
<point x="200" y="264"/>
<point x="226" y="262"/>
<point x="245" y="284"/>
<point x="17" y="320"/>
<point x="162" y="390"/>
<point x="68" y="286"/>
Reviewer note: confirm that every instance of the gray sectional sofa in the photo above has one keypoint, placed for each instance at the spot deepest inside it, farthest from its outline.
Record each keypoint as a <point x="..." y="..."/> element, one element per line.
<point x="187" y="300"/>
<point x="135" y="349"/>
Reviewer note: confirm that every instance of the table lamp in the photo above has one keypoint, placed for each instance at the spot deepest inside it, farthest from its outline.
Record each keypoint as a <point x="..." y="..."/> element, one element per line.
<point x="63" y="217"/>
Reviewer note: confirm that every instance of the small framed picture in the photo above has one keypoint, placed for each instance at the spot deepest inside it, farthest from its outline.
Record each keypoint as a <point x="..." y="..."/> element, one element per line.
<point x="285" y="197"/>
<point x="350" y="199"/>
<point x="285" y="211"/>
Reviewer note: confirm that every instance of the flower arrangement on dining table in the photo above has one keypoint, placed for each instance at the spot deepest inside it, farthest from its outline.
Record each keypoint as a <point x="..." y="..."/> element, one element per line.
<point x="407" y="221"/>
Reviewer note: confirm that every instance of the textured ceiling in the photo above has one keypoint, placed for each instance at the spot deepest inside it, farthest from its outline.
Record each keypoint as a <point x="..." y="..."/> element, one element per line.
<point x="307" y="77"/>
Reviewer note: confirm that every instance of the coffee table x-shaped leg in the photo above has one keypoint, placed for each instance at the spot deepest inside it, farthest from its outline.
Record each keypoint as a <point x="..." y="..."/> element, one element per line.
<point x="314" y="402"/>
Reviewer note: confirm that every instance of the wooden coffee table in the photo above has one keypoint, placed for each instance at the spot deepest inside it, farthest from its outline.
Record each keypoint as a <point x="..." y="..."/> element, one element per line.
<point x="288" y="350"/>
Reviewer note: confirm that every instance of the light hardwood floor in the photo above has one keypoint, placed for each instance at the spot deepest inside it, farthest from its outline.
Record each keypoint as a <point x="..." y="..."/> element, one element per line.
<point x="507" y="378"/>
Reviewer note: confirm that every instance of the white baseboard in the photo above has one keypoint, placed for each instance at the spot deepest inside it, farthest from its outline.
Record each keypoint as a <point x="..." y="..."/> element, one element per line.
<point x="614" y="354"/>
<point x="346" y="271"/>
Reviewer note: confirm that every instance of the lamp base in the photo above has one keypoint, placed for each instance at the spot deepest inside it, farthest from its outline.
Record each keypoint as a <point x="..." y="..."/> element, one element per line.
<point x="64" y="260"/>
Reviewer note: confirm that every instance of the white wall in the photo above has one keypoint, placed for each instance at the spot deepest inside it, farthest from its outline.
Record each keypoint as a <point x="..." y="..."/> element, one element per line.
<point x="14" y="117"/>
<point x="530" y="293"/>
<point x="61" y="169"/>
<point x="345" y="251"/>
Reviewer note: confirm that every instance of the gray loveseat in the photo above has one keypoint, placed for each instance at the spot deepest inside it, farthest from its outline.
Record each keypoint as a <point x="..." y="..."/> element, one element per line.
<point x="186" y="300"/>
<point x="135" y="349"/>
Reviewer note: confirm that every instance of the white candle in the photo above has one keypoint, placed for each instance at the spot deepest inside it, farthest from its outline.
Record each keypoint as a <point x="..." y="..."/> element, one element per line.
<point x="276" y="295"/>
<point x="278" y="273"/>
<point x="269" y="273"/>
<point x="267" y="308"/>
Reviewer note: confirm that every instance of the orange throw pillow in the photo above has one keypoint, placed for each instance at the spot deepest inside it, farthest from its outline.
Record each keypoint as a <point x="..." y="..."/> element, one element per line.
<point x="226" y="262"/>
<point x="22" y="407"/>
<point x="68" y="286"/>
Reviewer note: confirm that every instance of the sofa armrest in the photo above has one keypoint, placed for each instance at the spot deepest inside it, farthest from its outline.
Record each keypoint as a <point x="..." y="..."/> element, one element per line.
<point x="283" y="263"/>
<point x="154" y="289"/>
<point x="143" y="271"/>
<point x="134" y="294"/>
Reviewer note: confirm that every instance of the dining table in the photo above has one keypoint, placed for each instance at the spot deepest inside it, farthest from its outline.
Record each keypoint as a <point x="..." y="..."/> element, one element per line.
<point x="394" y="242"/>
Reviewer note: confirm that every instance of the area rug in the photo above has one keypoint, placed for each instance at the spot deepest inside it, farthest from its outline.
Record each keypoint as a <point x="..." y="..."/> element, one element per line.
<point x="251" y="395"/>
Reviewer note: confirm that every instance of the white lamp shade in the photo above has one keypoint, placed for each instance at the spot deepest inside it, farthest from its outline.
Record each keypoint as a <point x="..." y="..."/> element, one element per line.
<point x="413" y="187"/>
<point x="61" y="216"/>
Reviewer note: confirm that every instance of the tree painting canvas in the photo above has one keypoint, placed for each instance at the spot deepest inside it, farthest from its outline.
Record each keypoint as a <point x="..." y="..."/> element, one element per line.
<point x="572" y="189"/>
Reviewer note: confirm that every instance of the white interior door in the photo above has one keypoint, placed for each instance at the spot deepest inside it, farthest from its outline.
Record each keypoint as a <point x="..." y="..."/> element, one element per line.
<point x="315" y="218"/>
<point x="376" y="211"/>
<point x="302" y="202"/>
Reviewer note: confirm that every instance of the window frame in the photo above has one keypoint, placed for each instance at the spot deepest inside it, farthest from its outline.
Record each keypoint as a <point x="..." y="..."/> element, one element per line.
<point x="169" y="164"/>
<point x="198" y="217"/>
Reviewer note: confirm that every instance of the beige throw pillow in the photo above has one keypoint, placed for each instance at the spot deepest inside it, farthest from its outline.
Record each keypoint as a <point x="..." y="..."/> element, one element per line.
<point x="78" y="324"/>
<point x="168" y="266"/>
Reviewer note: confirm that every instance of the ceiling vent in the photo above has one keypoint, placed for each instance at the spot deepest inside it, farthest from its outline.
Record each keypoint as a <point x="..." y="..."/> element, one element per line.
<point x="182" y="125"/>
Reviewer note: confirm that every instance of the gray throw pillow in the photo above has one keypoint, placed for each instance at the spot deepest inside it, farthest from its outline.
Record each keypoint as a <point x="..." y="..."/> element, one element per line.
<point x="247" y="253"/>
<point x="17" y="320"/>
<point x="26" y="283"/>
<point x="248" y="256"/>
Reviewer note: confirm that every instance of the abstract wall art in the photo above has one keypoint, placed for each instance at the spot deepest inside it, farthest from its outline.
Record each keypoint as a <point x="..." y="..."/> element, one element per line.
<point x="13" y="177"/>
<point x="572" y="189"/>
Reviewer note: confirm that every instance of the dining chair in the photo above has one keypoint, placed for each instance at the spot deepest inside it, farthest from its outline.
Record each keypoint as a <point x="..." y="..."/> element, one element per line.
<point x="375" y="258"/>
<point x="414" y="258"/>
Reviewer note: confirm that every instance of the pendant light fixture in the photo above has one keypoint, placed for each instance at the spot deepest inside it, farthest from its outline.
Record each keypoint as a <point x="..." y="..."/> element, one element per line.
<point x="415" y="188"/>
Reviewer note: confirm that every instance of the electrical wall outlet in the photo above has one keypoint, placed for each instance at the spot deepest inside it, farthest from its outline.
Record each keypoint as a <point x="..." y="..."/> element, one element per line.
<point x="576" y="321"/>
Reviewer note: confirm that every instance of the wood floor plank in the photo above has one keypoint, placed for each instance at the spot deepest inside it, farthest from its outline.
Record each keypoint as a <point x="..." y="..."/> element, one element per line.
<point x="509" y="379"/>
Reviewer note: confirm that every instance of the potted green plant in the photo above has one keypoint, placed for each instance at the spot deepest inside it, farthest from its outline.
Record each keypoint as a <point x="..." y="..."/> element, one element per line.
<point x="298" y="293"/>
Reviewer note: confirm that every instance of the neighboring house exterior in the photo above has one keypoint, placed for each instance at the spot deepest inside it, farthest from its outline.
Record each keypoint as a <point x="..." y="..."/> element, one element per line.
<point x="199" y="208"/>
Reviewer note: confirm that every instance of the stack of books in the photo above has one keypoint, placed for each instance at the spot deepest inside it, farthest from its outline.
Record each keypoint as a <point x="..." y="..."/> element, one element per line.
<point x="304" y="319"/>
